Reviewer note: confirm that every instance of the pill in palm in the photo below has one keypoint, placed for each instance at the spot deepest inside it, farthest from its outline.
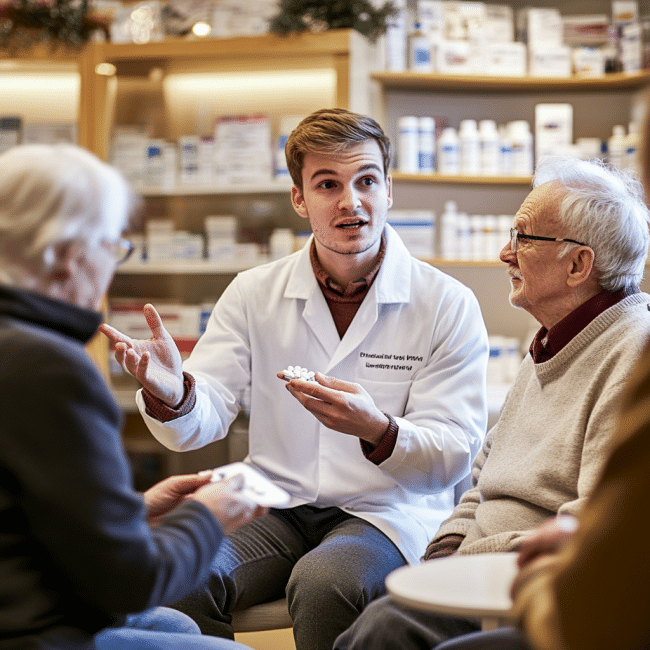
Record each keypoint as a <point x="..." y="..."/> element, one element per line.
<point x="297" y="372"/>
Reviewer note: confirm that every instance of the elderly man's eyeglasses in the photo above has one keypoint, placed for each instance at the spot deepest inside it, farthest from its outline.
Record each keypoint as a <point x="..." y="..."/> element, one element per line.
<point x="121" y="249"/>
<point x="516" y="236"/>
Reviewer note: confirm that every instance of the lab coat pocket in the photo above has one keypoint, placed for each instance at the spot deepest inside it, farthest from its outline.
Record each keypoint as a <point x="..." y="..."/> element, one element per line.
<point x="389" y="396"/>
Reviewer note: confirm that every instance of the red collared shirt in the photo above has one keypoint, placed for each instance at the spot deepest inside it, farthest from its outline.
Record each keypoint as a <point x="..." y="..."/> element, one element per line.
<point x="547" y="343"/>
<point x="343" y="304"/>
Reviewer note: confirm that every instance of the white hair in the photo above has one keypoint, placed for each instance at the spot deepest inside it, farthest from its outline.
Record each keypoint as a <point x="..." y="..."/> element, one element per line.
<point x="53" y="196"/>
<point x="604" y="208"/>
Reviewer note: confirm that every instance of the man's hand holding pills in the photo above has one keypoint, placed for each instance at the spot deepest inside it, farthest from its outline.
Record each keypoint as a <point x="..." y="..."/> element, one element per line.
<point x="339" y="405"/>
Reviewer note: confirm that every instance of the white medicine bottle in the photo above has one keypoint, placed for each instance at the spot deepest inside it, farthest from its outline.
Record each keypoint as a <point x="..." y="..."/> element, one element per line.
<point x="631" y="154"/>
<point x="489" y="146"/>
<point x="448" y="155"/>
<point x="505" y="151"/>
<point x="616" y="146"/>
<point x="469" y="146"/>
<point x="463" y="236"/>
<point x="396" y="45"/>
<point x="521" y="140"/>
<point x="426" y="145"/>
<point x="419" y="50"/>
<point x="448" y="234"/>
<point x="408" y="144"/>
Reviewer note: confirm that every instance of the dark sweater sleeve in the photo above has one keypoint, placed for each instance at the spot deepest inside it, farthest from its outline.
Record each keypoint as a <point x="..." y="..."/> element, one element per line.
<point x="63" y="448"/>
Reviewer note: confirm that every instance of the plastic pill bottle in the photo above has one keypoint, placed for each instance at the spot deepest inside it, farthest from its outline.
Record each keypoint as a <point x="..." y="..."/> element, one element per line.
<point x="448" y="234"/>
<point x="470" y="153"/>
<point x="408" y="145"/>
<point x="448" y="155"/>
<point x="426" y="145"/>
<point x="419" y="50"/>
<point x="521" y="140"/>
<point x="616" y="146"/>
<point x="489" y="147"/>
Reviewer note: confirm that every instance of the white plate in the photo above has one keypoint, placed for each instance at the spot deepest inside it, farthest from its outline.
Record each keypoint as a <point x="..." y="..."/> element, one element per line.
<point x="468" y="585"/>
<point x="257" y="487"/>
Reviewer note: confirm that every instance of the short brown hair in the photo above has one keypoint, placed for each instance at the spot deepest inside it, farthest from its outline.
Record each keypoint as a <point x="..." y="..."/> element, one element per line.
<point x="329" y="131"/>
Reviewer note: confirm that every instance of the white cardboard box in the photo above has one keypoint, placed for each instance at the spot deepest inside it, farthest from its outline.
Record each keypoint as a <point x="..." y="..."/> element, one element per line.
<point x="549" y="60"/>
<point x="553" y="128"/>
<point x="505" y="59"/>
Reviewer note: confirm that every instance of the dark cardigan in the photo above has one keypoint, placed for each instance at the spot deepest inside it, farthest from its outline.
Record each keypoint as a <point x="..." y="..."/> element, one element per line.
<point x="76" y="554"/>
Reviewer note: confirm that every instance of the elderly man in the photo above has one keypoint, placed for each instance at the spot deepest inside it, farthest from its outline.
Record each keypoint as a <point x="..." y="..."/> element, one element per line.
<point x="576" y="256"/>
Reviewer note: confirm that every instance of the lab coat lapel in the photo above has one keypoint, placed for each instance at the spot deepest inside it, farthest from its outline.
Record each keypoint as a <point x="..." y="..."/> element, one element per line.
<point x="304" y="286"/>
<point x="392" y="285"/>
<point x="361" y="324"/>
<point x="318" y="317"/>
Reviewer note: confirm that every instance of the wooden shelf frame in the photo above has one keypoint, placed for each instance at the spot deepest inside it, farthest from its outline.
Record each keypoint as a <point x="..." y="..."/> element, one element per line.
<point x="462" y="180"/>
<point x="344" y="51"/>
<point x="477" y="83"/>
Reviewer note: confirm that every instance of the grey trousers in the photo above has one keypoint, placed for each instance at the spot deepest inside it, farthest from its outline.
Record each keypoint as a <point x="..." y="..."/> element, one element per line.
<point x="387" y="625"/>
<point x="504" y="638"/>
<point x="329" y="564"/>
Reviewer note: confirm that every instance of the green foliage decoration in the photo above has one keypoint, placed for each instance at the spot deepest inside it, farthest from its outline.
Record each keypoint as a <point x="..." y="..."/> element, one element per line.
<point x="24" y="23"/>
<point x="312" y="15"/>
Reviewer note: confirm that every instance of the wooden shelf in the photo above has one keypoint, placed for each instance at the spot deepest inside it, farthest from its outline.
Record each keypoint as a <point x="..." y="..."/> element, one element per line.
<point x="464" y="180"/>
<point x="477" y="83"/>
<point x="190" y="267"/>
<point x="439" y="262"/>
<point x="336" y="41"/>
<point x="43" y="53"/>
<point x="270" y="187"/>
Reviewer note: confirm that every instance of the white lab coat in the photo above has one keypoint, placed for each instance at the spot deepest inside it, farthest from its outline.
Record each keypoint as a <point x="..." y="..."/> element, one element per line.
<point x="418" y="345"/>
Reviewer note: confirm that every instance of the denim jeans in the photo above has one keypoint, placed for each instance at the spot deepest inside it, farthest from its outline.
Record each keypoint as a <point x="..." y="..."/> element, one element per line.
<point x="161" y="628"/>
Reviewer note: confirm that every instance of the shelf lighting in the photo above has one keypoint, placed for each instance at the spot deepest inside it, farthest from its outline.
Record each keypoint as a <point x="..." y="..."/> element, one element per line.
<point x="201" y="29"/>
<point x="105" y="69"/>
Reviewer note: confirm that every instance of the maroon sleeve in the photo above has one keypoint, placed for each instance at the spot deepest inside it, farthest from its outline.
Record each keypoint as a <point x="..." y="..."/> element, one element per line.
<point x="156" y="408"/>
<point x="385" y="448"/>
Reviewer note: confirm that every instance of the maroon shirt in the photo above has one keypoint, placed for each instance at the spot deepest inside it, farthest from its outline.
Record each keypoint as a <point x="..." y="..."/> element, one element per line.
<point x="547" y="343"/>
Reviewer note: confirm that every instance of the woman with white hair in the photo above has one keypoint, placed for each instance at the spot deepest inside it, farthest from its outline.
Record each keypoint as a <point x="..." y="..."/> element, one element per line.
<point x="80" y="549"/>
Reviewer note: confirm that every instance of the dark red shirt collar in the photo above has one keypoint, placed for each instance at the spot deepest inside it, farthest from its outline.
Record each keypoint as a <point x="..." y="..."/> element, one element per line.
<point x="356" y="286"/>
<point x="547" y="343"/>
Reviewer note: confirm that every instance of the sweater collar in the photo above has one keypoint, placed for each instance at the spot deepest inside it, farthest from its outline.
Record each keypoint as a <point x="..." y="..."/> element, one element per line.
<point x="35" y="308"/>
<point x="547" y="343"/>
<point x="355" y="287"/>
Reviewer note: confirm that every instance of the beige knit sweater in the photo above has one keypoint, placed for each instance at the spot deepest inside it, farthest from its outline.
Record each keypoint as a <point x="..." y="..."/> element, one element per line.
<point x="545" y="454"/>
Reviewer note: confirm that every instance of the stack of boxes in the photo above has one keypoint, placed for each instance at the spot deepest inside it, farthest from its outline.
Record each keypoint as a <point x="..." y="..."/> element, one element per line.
<point x="239" y="151"/>
<point x="486" y="39"/>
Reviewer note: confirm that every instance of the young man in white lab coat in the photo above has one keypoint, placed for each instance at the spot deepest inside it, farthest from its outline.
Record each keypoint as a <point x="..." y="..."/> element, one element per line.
<point x="372" y="451"/>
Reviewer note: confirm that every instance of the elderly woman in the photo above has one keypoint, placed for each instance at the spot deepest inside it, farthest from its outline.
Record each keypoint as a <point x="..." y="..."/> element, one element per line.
<point x="80" y="549"/>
